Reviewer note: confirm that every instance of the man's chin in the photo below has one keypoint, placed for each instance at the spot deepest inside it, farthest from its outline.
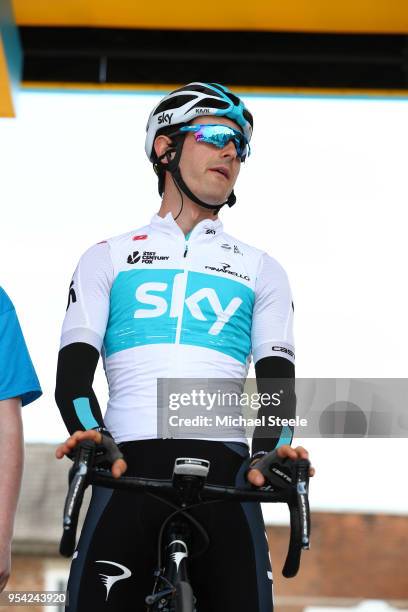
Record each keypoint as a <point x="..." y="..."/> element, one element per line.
<point x="214" y="199"/>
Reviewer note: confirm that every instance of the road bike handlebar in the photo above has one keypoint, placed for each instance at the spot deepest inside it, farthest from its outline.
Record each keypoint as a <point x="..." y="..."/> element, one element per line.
<point x="292" y="490"/>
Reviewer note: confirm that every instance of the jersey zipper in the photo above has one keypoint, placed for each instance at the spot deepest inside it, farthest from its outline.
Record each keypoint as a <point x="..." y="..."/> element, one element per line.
<point x="184" y="286"/>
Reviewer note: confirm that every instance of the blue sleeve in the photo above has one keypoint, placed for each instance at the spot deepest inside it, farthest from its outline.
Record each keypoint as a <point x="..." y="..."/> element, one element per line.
<point x="17" y="374"/>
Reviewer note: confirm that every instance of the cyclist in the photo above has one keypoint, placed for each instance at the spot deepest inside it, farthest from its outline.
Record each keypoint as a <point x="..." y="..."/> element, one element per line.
<point x="18" y="387"/>
<point x="158" y="303"/>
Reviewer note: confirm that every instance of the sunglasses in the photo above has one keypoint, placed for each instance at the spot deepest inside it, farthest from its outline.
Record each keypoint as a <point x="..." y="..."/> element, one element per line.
<point x="219" y="136"/>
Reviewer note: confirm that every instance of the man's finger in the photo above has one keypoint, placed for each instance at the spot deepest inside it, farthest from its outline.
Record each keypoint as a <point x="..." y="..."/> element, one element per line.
<point x="287" y="451"/>
<point x="62" y="450"/>
<point x="72" y="441"/>
<point x="119" y="468"/>
<point x="302" y="452"/>
<point x="255" y="477"/>
<point x="59" y="453"/>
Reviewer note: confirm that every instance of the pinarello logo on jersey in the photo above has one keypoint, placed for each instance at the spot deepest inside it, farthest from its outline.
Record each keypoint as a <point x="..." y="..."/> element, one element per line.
<point x="140" y="237"/>
<point x="226" y="269"/>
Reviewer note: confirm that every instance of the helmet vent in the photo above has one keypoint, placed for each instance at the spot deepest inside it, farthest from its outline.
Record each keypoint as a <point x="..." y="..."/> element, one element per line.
<point x="248" y="117"/>
<point x="234" y="99"/>
<point x="199" y="88"/>
<point x="204" y="90"/>
<point x="174" y="102"/>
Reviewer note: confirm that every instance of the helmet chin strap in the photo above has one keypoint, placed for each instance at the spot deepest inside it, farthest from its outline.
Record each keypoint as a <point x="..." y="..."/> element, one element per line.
<point x="178" y="179"/>
<point x="173" y="167"/>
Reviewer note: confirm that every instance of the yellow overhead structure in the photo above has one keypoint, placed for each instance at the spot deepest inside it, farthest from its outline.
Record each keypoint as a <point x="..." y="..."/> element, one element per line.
<point x="6" y="102"/>
<point x="10" y="60"/>
<point x="364" y="16"/>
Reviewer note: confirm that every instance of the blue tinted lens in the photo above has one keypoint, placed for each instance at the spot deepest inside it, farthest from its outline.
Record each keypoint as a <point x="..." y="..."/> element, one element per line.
<point x="219" y="136"/>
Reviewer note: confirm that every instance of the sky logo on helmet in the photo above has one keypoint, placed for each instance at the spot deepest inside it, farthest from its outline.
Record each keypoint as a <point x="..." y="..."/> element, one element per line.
<point x="165" y="118"/>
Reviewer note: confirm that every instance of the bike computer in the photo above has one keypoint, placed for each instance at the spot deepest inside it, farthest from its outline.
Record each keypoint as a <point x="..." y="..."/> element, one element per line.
<point x="188" y="466"/>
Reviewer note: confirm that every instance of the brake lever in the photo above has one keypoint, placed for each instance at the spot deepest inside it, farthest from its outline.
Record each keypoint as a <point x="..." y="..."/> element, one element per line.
<point x="299" y="518"/>
<point x="78" y="481"/>
<point x="285" y="474"/>
<point x="302" y="488"/>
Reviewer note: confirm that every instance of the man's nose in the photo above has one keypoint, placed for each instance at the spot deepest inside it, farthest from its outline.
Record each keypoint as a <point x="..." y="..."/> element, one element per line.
<point x="229" y="150"/>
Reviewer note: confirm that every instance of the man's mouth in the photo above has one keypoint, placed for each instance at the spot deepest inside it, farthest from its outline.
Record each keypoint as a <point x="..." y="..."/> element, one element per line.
<point x="221" y="170"/>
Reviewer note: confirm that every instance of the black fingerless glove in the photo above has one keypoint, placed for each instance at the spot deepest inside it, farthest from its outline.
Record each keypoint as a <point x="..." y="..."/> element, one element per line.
<point x="107" y="452"/>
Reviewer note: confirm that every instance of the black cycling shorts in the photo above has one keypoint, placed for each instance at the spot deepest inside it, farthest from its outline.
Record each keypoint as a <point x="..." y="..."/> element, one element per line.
<point x="112" y="569"/>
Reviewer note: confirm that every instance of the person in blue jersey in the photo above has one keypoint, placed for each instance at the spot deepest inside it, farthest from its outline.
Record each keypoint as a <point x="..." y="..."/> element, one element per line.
<point x="19" y="386"/>
<point x="176" y="298"/>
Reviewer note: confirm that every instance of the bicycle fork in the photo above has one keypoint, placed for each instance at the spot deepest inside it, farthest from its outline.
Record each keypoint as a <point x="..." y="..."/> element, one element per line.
<point x="174" y="571"/>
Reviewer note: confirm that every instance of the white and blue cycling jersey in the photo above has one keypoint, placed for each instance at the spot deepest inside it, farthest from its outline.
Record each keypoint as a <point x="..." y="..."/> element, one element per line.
<point x="158" y="304"/>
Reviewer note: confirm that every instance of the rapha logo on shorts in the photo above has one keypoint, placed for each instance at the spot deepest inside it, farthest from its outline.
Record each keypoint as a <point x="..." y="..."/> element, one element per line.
<point x="165" y="118"/>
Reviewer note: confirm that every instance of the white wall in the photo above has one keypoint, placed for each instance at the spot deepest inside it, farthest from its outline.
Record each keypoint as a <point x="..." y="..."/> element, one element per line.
<point x="324" y="192"/>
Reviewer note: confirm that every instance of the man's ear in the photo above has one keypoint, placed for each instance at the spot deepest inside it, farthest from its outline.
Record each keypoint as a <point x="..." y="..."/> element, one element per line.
<point x="161" y="145"/>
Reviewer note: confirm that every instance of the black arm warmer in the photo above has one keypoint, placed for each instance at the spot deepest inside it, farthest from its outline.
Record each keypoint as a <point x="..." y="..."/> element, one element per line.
<point x="75" y="373"/>
<point x="274" y="374"/>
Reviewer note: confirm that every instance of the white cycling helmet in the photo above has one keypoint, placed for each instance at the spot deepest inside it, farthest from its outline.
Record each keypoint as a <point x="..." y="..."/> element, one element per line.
<point x="195" y="100"/>
<point x="182" y="106"/>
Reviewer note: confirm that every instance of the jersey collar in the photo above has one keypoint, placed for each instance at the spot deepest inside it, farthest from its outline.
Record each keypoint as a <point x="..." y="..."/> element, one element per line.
<point x="206" y="229"/>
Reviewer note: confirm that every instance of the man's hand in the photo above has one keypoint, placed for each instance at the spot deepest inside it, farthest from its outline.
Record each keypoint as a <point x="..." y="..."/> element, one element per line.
<point x="5" y="564"/>
<point x="256" y="478"/>
<point x="119" y="467"/>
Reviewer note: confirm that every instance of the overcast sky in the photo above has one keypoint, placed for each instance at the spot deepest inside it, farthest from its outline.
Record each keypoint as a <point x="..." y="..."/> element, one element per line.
<point x="324" y="192"/>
